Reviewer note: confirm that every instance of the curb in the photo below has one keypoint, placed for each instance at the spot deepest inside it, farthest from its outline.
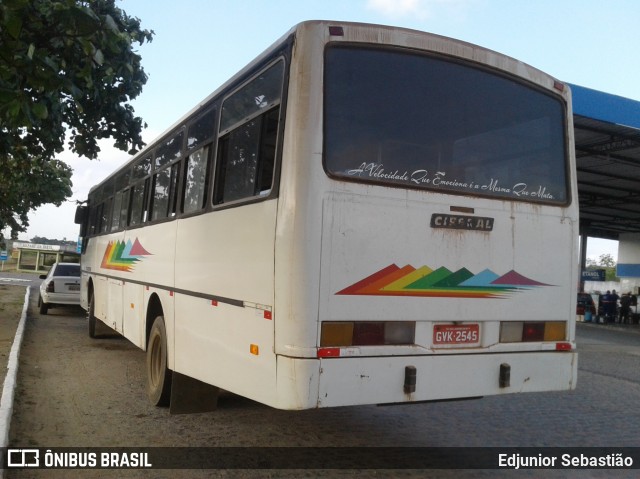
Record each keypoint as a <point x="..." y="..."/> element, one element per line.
<point x="6" y="402"/>
<point x="611" y="327"/>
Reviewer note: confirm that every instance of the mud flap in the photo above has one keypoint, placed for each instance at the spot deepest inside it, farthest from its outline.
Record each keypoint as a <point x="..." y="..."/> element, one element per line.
<point x="103" y="331"/>
<point x="189" y="395"/>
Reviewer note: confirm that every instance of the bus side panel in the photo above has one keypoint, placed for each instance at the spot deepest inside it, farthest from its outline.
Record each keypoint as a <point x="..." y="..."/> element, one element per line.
<point x="100" y="298"/>
<point x="226" y="346"/>
<point x="114" y="304"/>
<point x="147" y="262"/>
<point x="224" y="301"/>
<point x="228" y="253"/>
<point x="126" y="269"/>
<point x="107" y="290"/>
<point x="298" y="382"/>
<point x="302" y="185"/>
<point x="133" y="314"/>
<point x="90" y="264"/>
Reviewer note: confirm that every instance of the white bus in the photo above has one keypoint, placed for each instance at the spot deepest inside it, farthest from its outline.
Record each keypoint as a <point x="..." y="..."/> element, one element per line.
<point x="363" y="215"/>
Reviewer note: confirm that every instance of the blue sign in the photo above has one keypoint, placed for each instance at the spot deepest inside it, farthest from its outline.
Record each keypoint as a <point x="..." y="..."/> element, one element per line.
<point x="4" y="256"/>
<point x="593" y="275"/>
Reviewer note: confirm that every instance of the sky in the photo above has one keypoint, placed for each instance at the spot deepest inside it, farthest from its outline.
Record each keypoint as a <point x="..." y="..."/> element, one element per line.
<point x="199" y="44"/>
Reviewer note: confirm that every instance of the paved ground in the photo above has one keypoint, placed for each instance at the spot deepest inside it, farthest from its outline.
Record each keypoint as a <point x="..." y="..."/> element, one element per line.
<point x="74" y="391"/>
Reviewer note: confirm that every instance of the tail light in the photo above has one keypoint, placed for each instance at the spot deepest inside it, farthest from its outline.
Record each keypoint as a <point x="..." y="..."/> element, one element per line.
<point x="532" y="331"/>
<point x="51" y="287"/>
<point x="366" y="333"/>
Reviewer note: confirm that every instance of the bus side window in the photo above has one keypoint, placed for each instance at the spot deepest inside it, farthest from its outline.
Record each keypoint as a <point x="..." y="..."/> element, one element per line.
<point x="93" y="221"/>
<point x="195" y="180"/>
<point x="247" y="157"/>
<point x="138" y="213"/>
<point x="163" y="196"/>
<point x="238" y="162"/>
<point x="115" y="212"/>
<point x="173" y="190"/>
<point x="105" y="215"/>
<point x="268" y="152"/>
<point x="124" y="208"/>
<point x="163" y="199"/>
<point x="247" y="145"/>
<point x="160" y="195"/>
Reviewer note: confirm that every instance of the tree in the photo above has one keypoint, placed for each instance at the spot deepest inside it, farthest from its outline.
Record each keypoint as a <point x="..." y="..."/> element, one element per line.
<point x="45" y="240"/>
<point x="607" y="263"/>
<point x="27" y="184"/>
<point x="66" y="66"/>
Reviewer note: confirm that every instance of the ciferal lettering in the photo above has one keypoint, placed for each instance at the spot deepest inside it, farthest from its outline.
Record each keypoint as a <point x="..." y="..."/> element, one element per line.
<point x="458" y="222"/>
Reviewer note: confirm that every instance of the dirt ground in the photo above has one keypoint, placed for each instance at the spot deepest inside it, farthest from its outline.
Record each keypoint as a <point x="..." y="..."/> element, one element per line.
<point x="74" y="391"/>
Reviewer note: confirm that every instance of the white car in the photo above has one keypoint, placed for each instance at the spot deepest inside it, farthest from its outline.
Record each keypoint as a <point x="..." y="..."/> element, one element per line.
<point x="61" y="286"/>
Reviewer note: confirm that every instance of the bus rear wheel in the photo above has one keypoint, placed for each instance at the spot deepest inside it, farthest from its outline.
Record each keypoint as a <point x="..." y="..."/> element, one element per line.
<point x="158" y="373"/>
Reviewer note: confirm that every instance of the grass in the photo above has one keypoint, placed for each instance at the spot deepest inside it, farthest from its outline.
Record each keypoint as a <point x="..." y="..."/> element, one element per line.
<point x="11" y="304"/>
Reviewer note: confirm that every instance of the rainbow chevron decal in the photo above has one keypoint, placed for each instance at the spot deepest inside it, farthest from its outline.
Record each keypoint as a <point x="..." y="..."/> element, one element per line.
<point x="440" y="283"/>
<point x="123" y="256"/>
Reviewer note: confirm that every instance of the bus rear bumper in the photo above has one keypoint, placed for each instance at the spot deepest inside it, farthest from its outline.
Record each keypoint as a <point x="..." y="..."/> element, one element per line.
<point x="382" y="380"/>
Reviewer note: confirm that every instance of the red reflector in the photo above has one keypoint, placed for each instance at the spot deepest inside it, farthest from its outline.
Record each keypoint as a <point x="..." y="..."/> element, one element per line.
<point x="328" y="352"/>
<point x="214" y="302"/>
<point x="533" y="332"/>
<point x="268" y="315"/>
<point x="563" y="346"/>
<point x="336" y="31"/>
<point x="558" y="85"/>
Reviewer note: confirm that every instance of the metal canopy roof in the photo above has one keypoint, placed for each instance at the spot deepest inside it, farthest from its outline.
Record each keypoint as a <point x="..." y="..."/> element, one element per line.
<point x="607" y="136"/>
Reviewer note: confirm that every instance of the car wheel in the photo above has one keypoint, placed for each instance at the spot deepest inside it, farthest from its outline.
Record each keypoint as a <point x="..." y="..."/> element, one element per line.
<point x="44" y="307"/>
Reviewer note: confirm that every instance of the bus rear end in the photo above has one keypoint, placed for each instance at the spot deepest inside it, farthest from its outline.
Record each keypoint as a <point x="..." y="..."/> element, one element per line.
<point x="431" y="253"/>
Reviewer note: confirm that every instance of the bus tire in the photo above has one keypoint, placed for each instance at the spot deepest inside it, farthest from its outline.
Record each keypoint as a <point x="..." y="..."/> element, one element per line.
<point x="91" y="317"/>
<point x="158" y="372"/>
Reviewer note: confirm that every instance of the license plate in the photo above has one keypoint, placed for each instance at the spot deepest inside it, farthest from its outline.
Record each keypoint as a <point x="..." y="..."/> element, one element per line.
<point x="74" y="287"/>
<point x="456" y="334"/>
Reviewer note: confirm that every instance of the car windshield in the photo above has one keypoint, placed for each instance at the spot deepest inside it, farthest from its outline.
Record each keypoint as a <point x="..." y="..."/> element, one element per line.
<point x="67" y="270"/>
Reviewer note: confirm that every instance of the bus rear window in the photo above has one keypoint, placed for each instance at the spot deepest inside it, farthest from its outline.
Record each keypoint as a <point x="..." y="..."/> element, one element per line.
<point x="410" y="120"/>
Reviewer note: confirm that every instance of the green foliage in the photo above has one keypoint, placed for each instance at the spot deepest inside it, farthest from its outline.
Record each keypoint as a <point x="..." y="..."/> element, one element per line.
<point x="65" y="66"/>
<point x="45" y="240"/>
<point x="27" y="184"/>
<point x="607" y="263"/>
